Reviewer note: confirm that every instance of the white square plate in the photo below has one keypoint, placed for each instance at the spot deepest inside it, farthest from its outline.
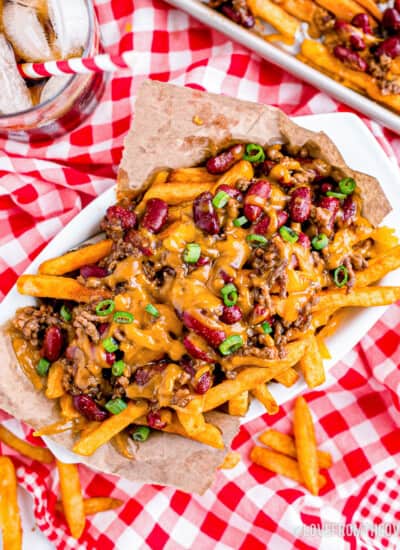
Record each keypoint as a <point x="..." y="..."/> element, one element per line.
<point x="361" y="152"/>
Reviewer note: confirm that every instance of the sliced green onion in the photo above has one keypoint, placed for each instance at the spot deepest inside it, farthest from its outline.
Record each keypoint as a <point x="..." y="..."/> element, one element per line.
<point x="221" y="199"/>
<point x="141" y="433"/>
<point x="105" y="307"/>
<point x="288" y="234"/>
<point x="242" y="220"/>
<point x="65" y="313"/>
<point x="123" y="317"/>
<point x="152" y="310"/>
<point x="347" y="185"/>
<point x="336" y="195"/>
<point x="341" y="276"/>
<point x="319" y="242"/>
<point x="266" y="327"/>
<point x="43" y="367"/>
<point x="254" y="153"/>
<point x="231" y="344"/>
<point x="110" y="345"/>
<point x="257" y="240"/>
<point x="229" y="294"/>
<point x="192" y="253"/>
<point x="116" y="406"/>
<point x="118" y="368"/>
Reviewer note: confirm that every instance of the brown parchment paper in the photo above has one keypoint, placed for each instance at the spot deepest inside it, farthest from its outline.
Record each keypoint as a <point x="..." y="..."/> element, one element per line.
<point x="165" y="135"/>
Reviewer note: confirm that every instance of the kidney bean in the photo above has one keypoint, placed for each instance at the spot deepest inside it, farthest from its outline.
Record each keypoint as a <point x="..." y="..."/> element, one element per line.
<point x="187" y="366"/>
<point x="267" y="166"/>
<point x="225" y="277"/>
<point x="242" y="17"/>
<point x="222" y="162"/>
<point x="283" y="217"/>
<point x="52" y="343"/>
<point x="204" y="214"/>
<point x="110" y="358"/>
<point x="231" y="315"/>
<point x="138" y="241"/>
<point x="357" y="42"/>
<point x="342" y="26"/>
<point x="261" y="226"/>
<point x="93" y="271"/>
<point x="142" y="376"/>
<point x="213" y="336"/>
<point x="231" y="191"/>
<point x="332" y="204"/>
<point x="89" y="408"/>
<point x="349" y="210"/>
<point x="102" y="328"/>
<point x="154" y="420"/>
<point x="397" y="5"/>
<point x="353" y="59"/>
<point x="389" y="47"/>
<point x="304" y="240"/>
<point x="325" y="187"/>
<point x="124" y="216"/>
<point x="361" y="20"/>
<point x="260" y="189"/>
<point x="155" y="216"/>
<point x="204" y="383"/>
<point x="348" y="34"/>
<point x="300" y="204"/>
<point x="195" y="351"/>
<point x="203" y="260"/>
<point x="391" y="20"/>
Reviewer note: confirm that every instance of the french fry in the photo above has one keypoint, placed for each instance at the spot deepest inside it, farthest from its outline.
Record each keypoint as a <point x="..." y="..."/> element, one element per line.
<point x="238" y="406"/>
<point x="95" y="505"/>
<point x="366" y="297"/>
<point x="68" y="410"/>
<point x="174" y="193"/>
<point x="121" y="443"/>
<point x="231" y="460"/>
<point x="88" y="444"/>
<point x="343" y="9"/>
<point x="265" y="397"/>
<point x="378" y="268"/>
<point x="241" y="170"/>
<point x="371" y="7"/>
<point x="284" y="444"/>
<point x="55" y="388"/>
<point x="71" y="261"/>
<point x="62" y="288"/>
<point x="306" y="447"/>
<point x="192" y="175"/>
<point x="312" y="365"/>
<point x="10" y="519"/>
<point x="24" y="448"/>
<point x="281" y="464"/>
<point x="192" y="423"/>
<point x="288" y="377"/>
<point x="301" y="9"/>
<point x="284" y="23"/>
<point x="71" y="497"/>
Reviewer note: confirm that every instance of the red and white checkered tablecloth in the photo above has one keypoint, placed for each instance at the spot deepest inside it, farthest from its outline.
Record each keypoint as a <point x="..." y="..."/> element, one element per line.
<point x="357" y="418"/>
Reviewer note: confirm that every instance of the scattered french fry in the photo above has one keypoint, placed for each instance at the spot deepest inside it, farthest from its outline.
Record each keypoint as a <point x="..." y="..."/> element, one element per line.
<point x="55" y="388"/>
<point x="10" y="519"/>
<point x="62" y="288"/>
<point x="378" y="268"/>
<point x="239" y="405"/>
<point x="192" y="423"/>
<point x="95" y="505"/>
<point x="174" y="193"/>
<point x="191" y="175"/>
<point x="288" y="377"/>
<point x="242" y="169"/>
<point x="231" y="460"/>
<point x="343" y="9"/>
<point x="306" y="447"/>
<point x="301" y="9"/>
<point x="265" y="397"/>
<point x="286" y="24"/>
<point x="71" y="497"/>
<point x="312" y="365"/>
<point x="26" y="449"/>
<point x="371" y="7"/>
<point x="366" y="297"/>
<point x="72" y="261"/>
<point x="285" y="444"/>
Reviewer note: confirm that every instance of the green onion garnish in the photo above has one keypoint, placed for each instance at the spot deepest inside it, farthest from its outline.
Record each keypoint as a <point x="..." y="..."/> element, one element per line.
<point x="336" y="195"/>
<point x="110" y="345"/>
<point x="105" y="307"/>
<point x="65" y="313"/>
<point x="116" y="406"/>
<point x="341" y="276"/>
<point x="319" y="242"/>
<point x="231" y="344"/>
<point x="43" y="367"/>
<point x="118" y="368"/>
<point x="288" y="234"/>
<point x="242" y="220"/>
<point x="221" y="199"/>
<point x="254" y="153"/>
<point x="192" y="253"/>
<point x="266" y="327"/>
<point x="347" y="186"/>
<point x="257" y="240"/>
<point x="152" y="310"/>
<point x="141" y="433"/>
<point x="229" y="294"/>
<point x="123" y="317"/>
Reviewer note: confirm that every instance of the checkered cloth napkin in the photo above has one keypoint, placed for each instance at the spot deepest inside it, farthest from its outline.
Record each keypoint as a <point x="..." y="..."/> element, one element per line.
<point x="42" y="188"/>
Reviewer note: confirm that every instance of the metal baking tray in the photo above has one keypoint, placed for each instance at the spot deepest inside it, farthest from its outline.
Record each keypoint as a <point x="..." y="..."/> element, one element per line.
<point x="283" y="58"/>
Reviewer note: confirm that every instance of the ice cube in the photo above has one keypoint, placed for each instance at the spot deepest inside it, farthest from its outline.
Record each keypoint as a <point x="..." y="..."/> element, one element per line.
<point x="54" y="85"/>
<point x="14" y="94"/>
<point x="24" y="30"/>
<point x="70" y="21"/>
